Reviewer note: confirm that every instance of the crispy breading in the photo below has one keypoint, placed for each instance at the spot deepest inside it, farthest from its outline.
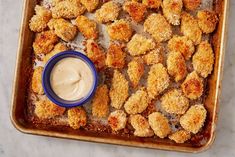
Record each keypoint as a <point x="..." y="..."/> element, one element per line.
<point x="189" y="27"/>
<point x="174" y="102"/>
<point x="172" y="10"/>
<point x="180" y="136"/>
<point x="207" y="20"/>
<point x="100" y="102"/>
<point x="108" y="12"/>
<point x="191" y="4"/>
<point x="155" y="4"/>
<point x="117" y="120"/>
<point x="141" y="126"/>
<point x="120" y="30"/>
<point x="136" y="10"/>
<point x="39" y="21"/>
<point x="158" y="80"/>
<point x="60" y="47"/>
<point x="194" y="118"/>
<point x="176" y="65"/>
<point x="44" y="42"/>
<point x="37" y="81"/>
<point x="203" y="59"/>
<point x="139" y="45"/>
<point x="158" y="27"/>
<point x="115" y="56"/>
<point x="119" y="90"/>
<point x="192" y="86"/>
<point x="159" y="123"/>
<point x="155" y="56"/>
<point x="87" y="27"/>
<point x="90" y="5"/>
<point x="183" y="45"/>
<point x="77" y="117"/>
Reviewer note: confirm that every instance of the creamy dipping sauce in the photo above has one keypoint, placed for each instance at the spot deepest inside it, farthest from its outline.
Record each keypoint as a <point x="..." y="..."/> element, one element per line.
<point x="71" y="79"/>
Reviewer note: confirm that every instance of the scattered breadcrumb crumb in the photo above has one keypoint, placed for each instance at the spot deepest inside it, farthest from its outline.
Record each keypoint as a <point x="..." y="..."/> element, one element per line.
<point x="191" y="4"/>
<point x="60" y="47"/>
<point x="77" y="117"/>
<point x="90" y="5"/>
<point x="180" y="136"/>
<point x="154" y="4"/>
<point x="37" y="81"/>
<point x="117" y="120"/>
<point x="136" y="10"/>
<point x="207" y="20"/>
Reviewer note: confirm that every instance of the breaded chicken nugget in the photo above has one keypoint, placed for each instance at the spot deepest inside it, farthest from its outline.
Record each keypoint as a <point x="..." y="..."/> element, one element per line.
<point x="37" y="81"/>
<point x="189" y="27"/>
<point x="77" y="117"/>
<point x="87" y="27"/>
<point x="120" y="30"/>
<point x="155" y="4"/>
<point x="141" y="126"/>
<point x="135" y="71"/>
<point x="172" y="10"/>
<point x="108" y="12"/>
<point x="183" y="45"/>
<point x="44" y="42"/>
<point x="159" y="123"/>
<point x="117" y="120"/>
<point x="115" y="56"/>
<point x="158" y="27"/>
<point x="135" y="10"/>
<point x="60" y="47"/>
<point x="180" y="136"/>
<point x="174" y="102"/>
<point x="119" y="90"/>
<point x="39" y="21"/>
<point x="194" y="118"/>
<point x="100" y="102"/>
<point x="176" y="65"/>
<point x="139" y="45"/>
<point x="155" y="56"/>
<point x="203" y="59"/>
<point x="207" y="20"/>
<point x="90" y="5"/>
<point x="191" y="4"/>
<point x="158" y="80"/>
<point x="192" y="86"/>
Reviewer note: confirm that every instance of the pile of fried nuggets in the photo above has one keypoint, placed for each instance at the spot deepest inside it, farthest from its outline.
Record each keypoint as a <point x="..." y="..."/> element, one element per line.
<point x="53" y="28"/>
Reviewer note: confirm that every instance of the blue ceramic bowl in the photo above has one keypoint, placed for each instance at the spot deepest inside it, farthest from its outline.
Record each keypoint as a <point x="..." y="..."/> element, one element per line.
<point x="46" y="79"/>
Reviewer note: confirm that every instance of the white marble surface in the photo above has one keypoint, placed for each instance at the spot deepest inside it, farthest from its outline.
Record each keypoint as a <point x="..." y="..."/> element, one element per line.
<point x="14" y="143"/>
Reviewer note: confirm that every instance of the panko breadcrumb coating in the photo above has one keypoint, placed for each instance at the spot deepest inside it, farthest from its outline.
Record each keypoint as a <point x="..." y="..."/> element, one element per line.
<point x="60" y="47"/>
<point x="120" y="30"/>
<point x="139" y="45"/>
<point x="155" y="56"/>
<point x="191" y="4"/>
<point x="158" y="27"/>
<point x="77" y="117"/>
<point x="203" y="59"/>
<point x="108" y="12"/>
<point x="172" y="10"/>
<point x="119" y="90"/>
<point x="189" y="27"/>
<point x="207" y="20"/>
<point x="183" y="45"/>
<point x="159" y="123"/>
<point x="39" y="21"/>
<point x="37" y="81"/>
<point x="158" y="80"/>
<point x="180" y="136"/>
<point x="155" y="4"/>
<point x="87" y="27"/>
<point x="194" y="118"/>
<point x="136" y="10"/>
<point x="90" y="5"/>
<point x="117" y="120"/>
<point x="100" y="102"/>
<point x="192" y="86"/>
<point x="141" y="126"/>
<point x="174" y="102"/>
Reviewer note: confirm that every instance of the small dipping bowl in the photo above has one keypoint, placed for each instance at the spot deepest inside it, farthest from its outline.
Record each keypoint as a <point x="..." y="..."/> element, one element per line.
<point x="47" y="74"/>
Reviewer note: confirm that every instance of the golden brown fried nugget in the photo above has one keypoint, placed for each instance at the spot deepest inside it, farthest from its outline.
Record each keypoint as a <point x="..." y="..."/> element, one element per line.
<point x="139" y="45"/>
<point x="194" y="118"/>
<point x="135" y="10"/>
<point x="141" y="126"/>
<point x="120" y="30"/>
<point x="60" y="47"/>
<point x="90" y="5"/>
<point x="203" y="59"/>
<point x="158" y="80"/>
<point x="37" y="81"/>
<point x="159" y="123"/>
<point x="44" y="42"/>
<point x="174" y="102"/>
<point x="155" y="4"/>
<point x="117" y="120"/>
<point x="191" y="4"/>
<point x="189" y="27"/>
<point x="207" y="20"/>
<point x="119" y="90"/>
<point x="100" y="102"/>
<point x="87" y="27"/>
<point x="183" y="45"/>
<point x="39" y="21"/>
<point x="155" y="56"/>
<point x="192" y="86"/>
<point x="77" y="117"/>
<point x="180" y="136"/>
<point x="176" y="65"/>
<point x="158" y="27"/>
